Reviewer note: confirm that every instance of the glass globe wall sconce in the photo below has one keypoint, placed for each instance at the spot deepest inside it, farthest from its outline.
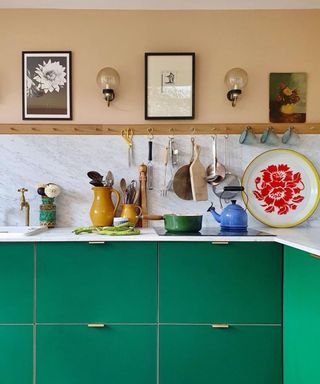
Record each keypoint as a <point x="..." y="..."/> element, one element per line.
<point x="235" y="79"/>
<point x="108" y="80"/>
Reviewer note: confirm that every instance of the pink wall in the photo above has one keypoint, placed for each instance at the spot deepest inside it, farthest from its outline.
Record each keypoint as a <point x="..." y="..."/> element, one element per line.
<point x="259" y="41"/>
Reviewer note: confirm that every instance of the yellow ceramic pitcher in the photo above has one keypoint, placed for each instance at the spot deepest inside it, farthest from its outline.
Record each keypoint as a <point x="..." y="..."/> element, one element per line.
<point x="102" y="210"/>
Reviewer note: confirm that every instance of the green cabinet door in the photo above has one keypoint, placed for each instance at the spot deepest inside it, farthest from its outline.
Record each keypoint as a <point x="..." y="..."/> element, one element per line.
<point x="16" y="282"/>
<point x="75" y="354"/>
<point x="85" y="283"/>
<point x="205" y="283"/>
<point x="301" y="317"/>
<point x="191" y="354"/>
<point x="16" y="354"/>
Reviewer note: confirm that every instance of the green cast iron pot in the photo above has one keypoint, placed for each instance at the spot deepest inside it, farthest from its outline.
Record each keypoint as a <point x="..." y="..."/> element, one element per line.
<point x="179" y="223"/>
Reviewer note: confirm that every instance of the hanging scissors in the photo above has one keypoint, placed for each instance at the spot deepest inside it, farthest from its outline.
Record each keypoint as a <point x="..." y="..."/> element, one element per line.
<point x="127" y="135"/>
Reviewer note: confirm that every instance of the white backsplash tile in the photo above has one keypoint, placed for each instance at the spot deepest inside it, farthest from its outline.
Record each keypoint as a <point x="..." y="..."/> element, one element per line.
<point x="27" y="160"/>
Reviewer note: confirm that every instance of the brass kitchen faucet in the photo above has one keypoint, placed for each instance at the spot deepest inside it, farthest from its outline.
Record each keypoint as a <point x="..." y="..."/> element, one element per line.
<point x="25" y="205"/>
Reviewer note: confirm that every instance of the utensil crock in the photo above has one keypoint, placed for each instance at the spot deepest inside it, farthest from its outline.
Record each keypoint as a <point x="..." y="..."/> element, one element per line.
<point x="132" y="212"/>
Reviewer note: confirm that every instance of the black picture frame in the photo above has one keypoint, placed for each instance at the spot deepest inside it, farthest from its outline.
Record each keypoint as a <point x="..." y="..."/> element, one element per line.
<point x="169" y="85"/>
<point x="47" y="85"/>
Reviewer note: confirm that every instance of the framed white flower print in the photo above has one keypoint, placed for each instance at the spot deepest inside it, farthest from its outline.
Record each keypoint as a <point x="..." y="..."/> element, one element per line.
<point x="46" y="86"/>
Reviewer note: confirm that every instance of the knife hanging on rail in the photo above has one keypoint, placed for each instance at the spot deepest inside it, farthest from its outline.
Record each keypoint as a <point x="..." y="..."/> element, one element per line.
<point x="150" y="167"/>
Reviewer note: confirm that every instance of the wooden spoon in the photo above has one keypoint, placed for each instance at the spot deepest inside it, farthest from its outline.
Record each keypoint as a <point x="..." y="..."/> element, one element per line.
<point x="123" y="187"/>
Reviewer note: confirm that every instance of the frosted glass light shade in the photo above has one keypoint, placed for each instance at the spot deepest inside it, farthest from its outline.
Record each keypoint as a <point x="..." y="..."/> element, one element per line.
<point x="108" y="79"/>
<point x="236" y="78"/>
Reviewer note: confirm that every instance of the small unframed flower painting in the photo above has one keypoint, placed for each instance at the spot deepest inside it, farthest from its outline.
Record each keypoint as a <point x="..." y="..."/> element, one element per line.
<point x="287" y="97"/>
<point x="46" y="85"/>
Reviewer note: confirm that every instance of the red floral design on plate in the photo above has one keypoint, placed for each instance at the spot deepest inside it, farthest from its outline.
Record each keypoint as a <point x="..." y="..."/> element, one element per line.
<point x="279" y="189"/>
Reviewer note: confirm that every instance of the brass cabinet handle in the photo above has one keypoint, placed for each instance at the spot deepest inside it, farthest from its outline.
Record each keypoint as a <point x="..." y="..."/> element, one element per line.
<point x="220" y="242"/>
<point x="220" y="326"/>
<point x="96" y="242"/>
<point x="96" y="325"/>
<point x="315" y="256"/>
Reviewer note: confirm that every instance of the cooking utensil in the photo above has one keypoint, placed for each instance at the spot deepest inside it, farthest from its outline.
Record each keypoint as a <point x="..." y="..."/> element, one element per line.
<point x="178" y="223"/>
<point x="96" y="183"/>
<point x="109" y="180"/>
<point x="123" y="185"/>
<point x="282" y="187"/>
<point x="174" y="152"/>
<point x="172" y="161"/>
<point x="198" y="178"/>
<point x="93" y="175"/>
<point x="150" y="167"/>
<point x="131" y="191"/>
<point x="181" y="181"/>
<point x="164" y="190"/>
<point x="215" y="172"/>
<point x="229" y="179"/>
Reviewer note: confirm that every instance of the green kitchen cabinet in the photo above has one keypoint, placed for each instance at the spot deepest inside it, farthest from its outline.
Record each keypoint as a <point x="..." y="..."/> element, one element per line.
<point x="76" y="354"/>
<point x="16" y="354"/>
<point x="85" y="283"/>
<point x="192" y="354"/>
<point x="238" y="283"/>
<point x="16" y="282"/>
<point x="301" y="325"/>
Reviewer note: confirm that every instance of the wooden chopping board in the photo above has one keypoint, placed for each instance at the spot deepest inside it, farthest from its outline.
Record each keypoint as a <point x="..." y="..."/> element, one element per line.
<point x="198" y="177"/>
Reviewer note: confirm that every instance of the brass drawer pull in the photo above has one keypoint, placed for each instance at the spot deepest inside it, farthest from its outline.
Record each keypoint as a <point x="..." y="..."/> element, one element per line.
<point x="96" y="325"/>
<point x="220" y="242"/>
<point x="315" y="256"/>
<point x="96" y="242"/>
<point x="220" y="326"/>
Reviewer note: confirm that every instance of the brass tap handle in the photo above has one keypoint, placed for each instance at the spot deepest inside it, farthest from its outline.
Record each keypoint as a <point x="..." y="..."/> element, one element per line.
<point x="22" y="190"/>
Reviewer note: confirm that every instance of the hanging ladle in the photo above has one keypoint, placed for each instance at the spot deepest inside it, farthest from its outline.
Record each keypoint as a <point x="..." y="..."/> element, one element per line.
<point x="216" y="172"/>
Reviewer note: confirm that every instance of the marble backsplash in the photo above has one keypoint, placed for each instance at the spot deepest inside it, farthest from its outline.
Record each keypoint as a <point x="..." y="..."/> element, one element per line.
<point x="26" y="160"/>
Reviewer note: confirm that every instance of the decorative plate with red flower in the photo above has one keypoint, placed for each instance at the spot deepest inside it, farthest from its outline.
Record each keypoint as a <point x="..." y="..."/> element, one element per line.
<point x="283" y="188"/>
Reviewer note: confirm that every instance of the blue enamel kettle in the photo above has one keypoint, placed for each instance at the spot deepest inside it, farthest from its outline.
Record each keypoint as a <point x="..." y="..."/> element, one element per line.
<point x="232" y="218"/>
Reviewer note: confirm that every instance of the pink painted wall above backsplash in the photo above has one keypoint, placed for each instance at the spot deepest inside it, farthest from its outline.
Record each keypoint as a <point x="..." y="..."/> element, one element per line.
<point x="259" y="41"/>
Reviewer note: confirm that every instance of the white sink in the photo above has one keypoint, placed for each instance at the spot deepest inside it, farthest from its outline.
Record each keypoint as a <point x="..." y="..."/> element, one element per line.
<point x="20" y="231"/>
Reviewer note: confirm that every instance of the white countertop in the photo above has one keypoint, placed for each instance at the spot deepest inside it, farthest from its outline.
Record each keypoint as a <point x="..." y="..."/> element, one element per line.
<point x="302" y="238"/>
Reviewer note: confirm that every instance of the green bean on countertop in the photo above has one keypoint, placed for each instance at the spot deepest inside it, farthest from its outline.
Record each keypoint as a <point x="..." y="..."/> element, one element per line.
<point x="124" y="229"/>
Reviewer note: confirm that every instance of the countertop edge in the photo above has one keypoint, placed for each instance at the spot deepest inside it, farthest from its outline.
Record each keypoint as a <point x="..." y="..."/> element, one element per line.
<point x="300" y="238"/>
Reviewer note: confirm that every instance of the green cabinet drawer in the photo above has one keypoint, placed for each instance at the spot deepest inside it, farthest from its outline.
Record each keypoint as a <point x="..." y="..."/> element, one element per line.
<point x="85" y="283"/>
<point x="207" y="283"/>
<point x="301" y="317"/>
<point x="16" y="282"/>
<point x="16" y="354"/>
<point x="75" y="354"/>
<point x="203" y="355"/>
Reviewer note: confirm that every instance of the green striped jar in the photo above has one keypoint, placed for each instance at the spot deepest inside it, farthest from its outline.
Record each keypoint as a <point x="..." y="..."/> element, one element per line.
<point x="48" y="212"/>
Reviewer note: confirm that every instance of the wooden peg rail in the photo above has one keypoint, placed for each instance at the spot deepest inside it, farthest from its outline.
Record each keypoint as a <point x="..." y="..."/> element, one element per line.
<point x="154" y="129"/>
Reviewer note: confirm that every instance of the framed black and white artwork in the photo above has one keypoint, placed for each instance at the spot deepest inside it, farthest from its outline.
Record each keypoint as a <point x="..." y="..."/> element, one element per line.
<point x="169" y="85"/>
<point x="46" y="78"/>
